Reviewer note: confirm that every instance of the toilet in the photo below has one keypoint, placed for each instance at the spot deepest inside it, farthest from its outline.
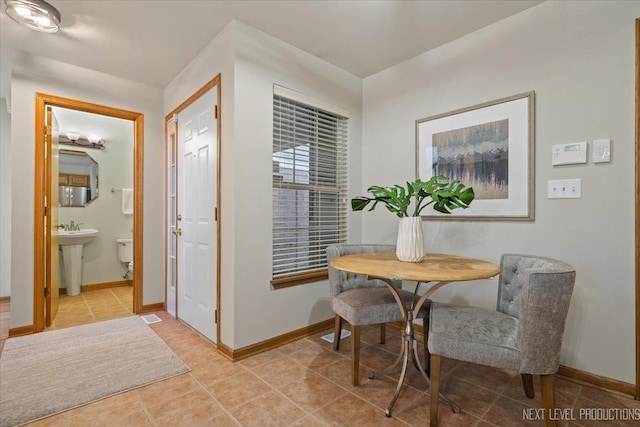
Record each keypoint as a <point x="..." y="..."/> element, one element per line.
<point x="125" y="254"/>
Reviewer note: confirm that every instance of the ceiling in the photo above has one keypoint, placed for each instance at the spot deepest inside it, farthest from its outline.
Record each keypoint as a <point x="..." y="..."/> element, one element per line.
<point x="152" y="41"/>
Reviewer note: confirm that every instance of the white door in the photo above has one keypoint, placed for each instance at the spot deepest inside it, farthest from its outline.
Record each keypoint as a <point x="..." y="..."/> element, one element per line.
<point x="197" y="188"/>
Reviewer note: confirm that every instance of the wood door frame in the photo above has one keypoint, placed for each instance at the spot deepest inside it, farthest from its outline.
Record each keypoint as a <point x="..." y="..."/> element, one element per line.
<point x="51" y="182"/>
<point x="637" y="201"/>
<point x="215" y="82"/>
<point x="41" y="101"/>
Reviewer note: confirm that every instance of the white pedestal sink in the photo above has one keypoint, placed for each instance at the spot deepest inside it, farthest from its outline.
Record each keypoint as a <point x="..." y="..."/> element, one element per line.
<point x="72" y="243"/>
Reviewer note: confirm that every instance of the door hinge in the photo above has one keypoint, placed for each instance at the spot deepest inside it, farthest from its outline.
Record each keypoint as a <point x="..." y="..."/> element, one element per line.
<point x="46" y="211"/>
<point x="47" y="292"/>
<point x="215" y="111"/>
<point x="215" y="214"/>
<point x="215" y="314"/>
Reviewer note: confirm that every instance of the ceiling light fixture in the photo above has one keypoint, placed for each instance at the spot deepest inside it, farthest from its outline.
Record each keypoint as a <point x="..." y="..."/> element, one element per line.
<point x="35" y="14"/>
<point x="71" y="137"/>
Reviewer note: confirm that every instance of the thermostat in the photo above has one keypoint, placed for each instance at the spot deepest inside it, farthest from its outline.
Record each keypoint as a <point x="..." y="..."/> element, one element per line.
<point x="569" y="154"/>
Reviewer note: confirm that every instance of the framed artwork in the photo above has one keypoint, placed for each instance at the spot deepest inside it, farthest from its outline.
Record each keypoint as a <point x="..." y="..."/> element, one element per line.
<point x="489" y="147"/>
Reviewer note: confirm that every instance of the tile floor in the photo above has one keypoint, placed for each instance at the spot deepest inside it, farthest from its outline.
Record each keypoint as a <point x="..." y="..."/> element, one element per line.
<point x="88" y="307"/>
<point x="93" y="306"/>
<point x="306" y="383"/>
<point x="4" y="322"/>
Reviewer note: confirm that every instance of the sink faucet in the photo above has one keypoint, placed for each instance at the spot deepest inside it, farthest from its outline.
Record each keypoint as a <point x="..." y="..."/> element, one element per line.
<point x="72" y="226"/>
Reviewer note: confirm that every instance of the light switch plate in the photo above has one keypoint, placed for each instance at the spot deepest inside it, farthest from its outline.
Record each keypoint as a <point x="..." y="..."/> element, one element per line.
<point x="564" y="188"/>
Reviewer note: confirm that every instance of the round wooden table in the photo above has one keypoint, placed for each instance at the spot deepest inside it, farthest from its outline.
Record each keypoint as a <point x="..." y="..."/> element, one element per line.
<point x="437" y="268"/>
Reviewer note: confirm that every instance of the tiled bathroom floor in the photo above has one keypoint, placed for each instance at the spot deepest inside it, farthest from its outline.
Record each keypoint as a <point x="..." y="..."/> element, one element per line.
<point x="306" y="383"/>
<point x="93" y="306"/>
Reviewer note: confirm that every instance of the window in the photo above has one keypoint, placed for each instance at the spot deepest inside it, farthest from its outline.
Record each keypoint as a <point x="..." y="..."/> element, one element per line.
<point x="309" y="188"/>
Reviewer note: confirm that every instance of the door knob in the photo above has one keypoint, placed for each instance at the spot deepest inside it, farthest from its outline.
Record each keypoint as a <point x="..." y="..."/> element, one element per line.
<point x="177" y="231"/>
<point x="59" y="226"/>
<point x="179" y="217"/>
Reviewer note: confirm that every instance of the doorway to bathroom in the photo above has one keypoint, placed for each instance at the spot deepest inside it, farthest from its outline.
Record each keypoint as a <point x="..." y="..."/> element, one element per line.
<point x="98" y="196"/>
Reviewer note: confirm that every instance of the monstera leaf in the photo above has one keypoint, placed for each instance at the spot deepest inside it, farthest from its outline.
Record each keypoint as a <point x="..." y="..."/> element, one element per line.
<point x="439" y="191"/>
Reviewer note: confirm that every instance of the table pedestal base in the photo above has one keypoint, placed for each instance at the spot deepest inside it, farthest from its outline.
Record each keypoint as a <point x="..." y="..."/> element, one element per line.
<point x="409" y="347"/>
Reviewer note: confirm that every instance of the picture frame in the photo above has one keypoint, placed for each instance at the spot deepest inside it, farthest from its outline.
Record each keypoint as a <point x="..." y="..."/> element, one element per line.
<point x="489" y="147"/>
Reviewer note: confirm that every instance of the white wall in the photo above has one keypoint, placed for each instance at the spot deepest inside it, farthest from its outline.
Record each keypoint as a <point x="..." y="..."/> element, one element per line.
<point x="251" y="62"/>
<point x="579" y="59"/>
<point x="100" y="263"/>
<point x="32" y="74"/>
<point x="261" y="61"/>
<point x="5" y="200"/>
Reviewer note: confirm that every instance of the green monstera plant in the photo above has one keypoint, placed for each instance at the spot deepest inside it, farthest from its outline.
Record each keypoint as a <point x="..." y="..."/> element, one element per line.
<point x="439" y="191"/>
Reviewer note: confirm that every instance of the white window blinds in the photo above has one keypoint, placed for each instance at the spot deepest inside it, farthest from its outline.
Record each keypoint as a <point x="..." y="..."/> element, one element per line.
<point x="309" y="187"/>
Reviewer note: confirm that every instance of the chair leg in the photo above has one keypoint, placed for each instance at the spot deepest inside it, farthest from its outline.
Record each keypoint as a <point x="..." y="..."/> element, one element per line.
<point x="337" y="331"/>
<point x="527" y="383"/>
<point x="355" y="355"/>
<point x="425" y="326"/>
<point x="383" y="333"/>
<point x="548" y="399"/>
<point x="434" y="390"/>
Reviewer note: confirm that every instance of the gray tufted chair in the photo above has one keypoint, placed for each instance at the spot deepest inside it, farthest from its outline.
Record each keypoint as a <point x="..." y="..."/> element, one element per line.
<point x="523" y="334"/>
<point x="364" y="302"/>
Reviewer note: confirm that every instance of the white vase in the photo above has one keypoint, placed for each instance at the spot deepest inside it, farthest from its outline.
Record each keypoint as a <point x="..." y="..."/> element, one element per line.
<point x="410" y="246"/>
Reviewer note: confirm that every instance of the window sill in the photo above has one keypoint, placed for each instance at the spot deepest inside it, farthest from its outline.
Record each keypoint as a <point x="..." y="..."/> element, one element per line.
<point x="299" y="279"/>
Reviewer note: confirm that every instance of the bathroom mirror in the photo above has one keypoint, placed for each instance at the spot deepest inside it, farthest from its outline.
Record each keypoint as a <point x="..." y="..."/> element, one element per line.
<point x="77" y="178"/>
